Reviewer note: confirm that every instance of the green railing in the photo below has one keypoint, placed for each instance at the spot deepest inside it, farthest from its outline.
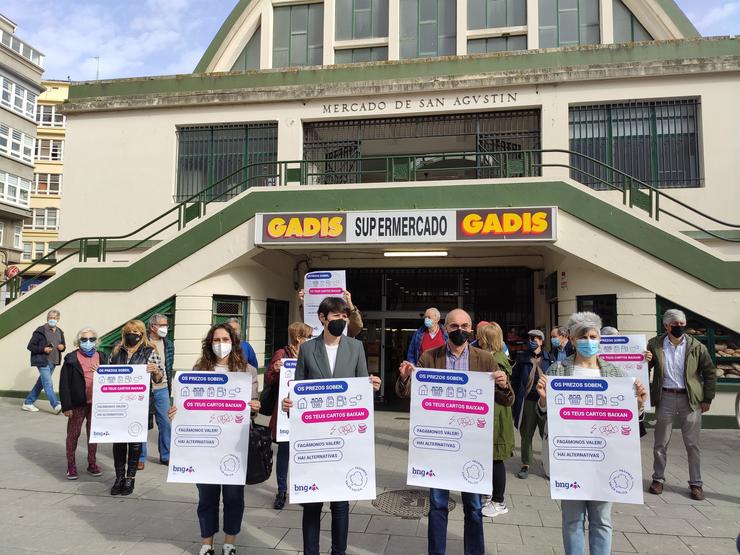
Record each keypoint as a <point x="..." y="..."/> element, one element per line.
<point x="377" y="169"/>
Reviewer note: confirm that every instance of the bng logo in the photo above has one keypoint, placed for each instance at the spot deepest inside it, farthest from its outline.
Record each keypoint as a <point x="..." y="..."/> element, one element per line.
<point x="182" y="469"/>
<point x="566" y="485"/>
<point x="305" y="487"/>
<point x="421" y="472"/>
<point x="101" y="434"/>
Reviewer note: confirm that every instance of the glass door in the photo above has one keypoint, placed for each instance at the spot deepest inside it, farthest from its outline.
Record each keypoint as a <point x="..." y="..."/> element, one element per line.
<point x="398" y="333"/>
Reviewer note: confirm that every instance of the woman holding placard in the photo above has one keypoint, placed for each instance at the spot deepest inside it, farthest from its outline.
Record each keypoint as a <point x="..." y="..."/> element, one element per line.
<point x="221" y="352"/>
<point x="584" y="328"/>
<point x="134" y="348"/>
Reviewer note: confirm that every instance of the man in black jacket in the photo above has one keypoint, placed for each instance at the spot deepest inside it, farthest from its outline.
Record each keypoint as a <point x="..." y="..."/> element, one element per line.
<point x="47" y="345"/>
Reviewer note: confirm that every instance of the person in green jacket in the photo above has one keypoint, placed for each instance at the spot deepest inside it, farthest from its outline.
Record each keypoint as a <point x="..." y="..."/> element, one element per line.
<point x="683" y="386"/>
<point x="491" y="339"/>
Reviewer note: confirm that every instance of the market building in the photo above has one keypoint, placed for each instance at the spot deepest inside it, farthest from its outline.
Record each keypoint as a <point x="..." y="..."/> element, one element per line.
<point x="520" y="158"/>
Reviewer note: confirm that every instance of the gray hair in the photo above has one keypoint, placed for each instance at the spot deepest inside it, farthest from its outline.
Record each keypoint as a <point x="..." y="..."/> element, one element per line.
<point x="84" y="329"/>
<point x="560" y="330"/>
<point x="580" y="323"/>
<point x="435" y="313"/>
<point x="609" y="330"/>
<point x="673" y="315"/>
<point x="156" y="316"/>
<point x="53" y="312"/>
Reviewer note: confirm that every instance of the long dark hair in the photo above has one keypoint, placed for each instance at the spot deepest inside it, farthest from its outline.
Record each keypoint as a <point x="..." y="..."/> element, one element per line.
<point x="208" y="358"/>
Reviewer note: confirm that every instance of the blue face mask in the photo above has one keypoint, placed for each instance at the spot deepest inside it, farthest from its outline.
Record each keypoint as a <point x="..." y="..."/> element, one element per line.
<point x="52" y="323"/>
<point x="587" y="347"/>
<point x="533" y="346"/>
<point x="87" y="347"/>
<point x="555" y="341"/>
<point x="428" y="323"/>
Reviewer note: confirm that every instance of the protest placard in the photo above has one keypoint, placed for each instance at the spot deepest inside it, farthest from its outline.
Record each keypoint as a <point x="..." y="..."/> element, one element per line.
<point x="120" y="404"/>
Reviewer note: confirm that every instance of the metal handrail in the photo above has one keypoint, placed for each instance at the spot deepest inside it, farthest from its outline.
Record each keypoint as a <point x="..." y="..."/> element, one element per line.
<point x="530" y="163"/>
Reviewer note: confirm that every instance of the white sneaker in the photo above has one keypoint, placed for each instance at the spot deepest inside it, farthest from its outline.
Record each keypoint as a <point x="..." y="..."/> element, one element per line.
<point x="493" y="509"/>
<point x="229" y="549"/>
<point x="58" y="408"/>
<point x="206" y="550"/>
<point x="485" y="500"/>
<point x="29" y="408"/>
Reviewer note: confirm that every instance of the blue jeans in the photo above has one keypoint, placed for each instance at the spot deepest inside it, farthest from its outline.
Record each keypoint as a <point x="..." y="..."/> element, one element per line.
<point x="161" y="406"/>
<point x="473" y="543"/>
<point x="312" y="527"/>
<point x="46" y="383"/>
<point x="599" y="526"/>
<point x="281" y="464"/>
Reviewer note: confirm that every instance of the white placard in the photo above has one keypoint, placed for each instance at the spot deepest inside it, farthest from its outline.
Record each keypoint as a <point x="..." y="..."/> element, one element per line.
<point x="627" y="352"/>
<point x="451" y="431"/>
<point x="287" y="373"/>
<point x="316" y="287"/>
<point x="332" y="440"/>
<point x="210" y="432"/>
<point x="120" y="411"/>
<point x="594" y="439"/>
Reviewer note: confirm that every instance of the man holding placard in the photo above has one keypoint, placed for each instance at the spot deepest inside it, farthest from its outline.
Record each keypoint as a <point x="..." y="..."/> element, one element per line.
<point x="330" y="355"/>
<point x="593" y="423"/>
<point x="455" y="355"/>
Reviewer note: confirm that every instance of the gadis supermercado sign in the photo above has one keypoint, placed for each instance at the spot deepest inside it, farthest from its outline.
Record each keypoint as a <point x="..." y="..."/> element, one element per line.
<point x="408" y="226"/>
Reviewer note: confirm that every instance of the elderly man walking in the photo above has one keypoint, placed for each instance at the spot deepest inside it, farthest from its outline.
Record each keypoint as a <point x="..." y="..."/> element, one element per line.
<point x="683" y="386"/>
<point x="46" y="345"/>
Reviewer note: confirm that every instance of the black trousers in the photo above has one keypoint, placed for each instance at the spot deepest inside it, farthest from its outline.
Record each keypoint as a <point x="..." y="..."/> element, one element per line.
<point x="124" y="453"/>
<point x="499" y="481"/>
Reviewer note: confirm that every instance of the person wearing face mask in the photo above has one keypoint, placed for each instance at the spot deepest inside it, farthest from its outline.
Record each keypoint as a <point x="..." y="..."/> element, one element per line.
<point x="429" y="336"/>
<point x="530" y="366"/>
<point x="584" y="328"/>
<point x="683" y="386"/>
<point x="457" y="354"/>
<point x="158" y="330"/>
<point x="331" y="354"/>
<point x="222" y="352"/>
<point x="298" y="334"/>
<point x="561" y="347"/>
<point x="75" y="394"/>
<point x="134" y="348"/>
<point x="46" y="345"/>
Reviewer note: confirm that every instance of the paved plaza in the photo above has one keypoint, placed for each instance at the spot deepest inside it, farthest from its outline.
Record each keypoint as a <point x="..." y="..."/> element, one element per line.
<point x="42" y="512"/>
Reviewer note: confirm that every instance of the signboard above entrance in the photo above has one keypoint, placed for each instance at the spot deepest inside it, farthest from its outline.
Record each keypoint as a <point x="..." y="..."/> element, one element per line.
<point x="408" y="226"/>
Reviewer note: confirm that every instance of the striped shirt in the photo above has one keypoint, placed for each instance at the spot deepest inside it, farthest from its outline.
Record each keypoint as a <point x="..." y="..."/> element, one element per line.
<point x="458" y="363"/>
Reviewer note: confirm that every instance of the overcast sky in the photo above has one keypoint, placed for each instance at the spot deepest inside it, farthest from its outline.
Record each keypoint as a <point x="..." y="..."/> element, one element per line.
<point x="162" y="37"/>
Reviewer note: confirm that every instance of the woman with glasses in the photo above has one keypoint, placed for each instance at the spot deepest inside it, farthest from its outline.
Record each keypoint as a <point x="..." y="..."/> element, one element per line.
<point x="298" y="333"/>
<point x="75" y="394"/>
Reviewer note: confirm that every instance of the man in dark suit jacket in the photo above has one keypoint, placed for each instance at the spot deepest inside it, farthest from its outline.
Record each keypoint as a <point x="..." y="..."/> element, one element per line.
<point x="330" y="355"/>
<point x="457" y="354"/>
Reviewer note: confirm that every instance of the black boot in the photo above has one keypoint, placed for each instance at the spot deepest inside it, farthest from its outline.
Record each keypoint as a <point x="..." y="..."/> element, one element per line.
<point x="118" y="484"/>
<point x="134" y="451"/>
<point x="128" y="486"/>
<point x="279" y="501"/>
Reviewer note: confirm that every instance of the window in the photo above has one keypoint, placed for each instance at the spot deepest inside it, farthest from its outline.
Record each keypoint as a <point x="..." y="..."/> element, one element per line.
<point x="49" y="149"/>
<point x="250" y="56"/>
<point x="14" y="190"/>
<point x="16" y="144"/>
<point x="225" y="308"/>
<point x="488" y="14"/>
<point x="603" y="305"/>
<point x="655" y="141"/>
<point x="20" y="47"/>
<point x="27" y="250"/>
<point x="17" y="232"/>
<point x="361" y="19"/>
<point x="2" y="233"/>
<point x="497" y="44"/>
<point x="48" y="116"/>
<point x="39" y="250"/>
<point x="428" y="28"/>
<point x="43" y="219"/>
<point x="17" y="98"/>
<point x="569" y="22"/>
<point x="298" y="35"/>
<point x="209" y="154"/>
<point x="47" y="184"/>
<point x="276" y="326"/>
<point x="626" y="26"/>
<point x="354" y="55"/>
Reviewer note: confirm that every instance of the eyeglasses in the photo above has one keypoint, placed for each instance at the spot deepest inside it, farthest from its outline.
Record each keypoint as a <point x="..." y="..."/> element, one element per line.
<point x="464" y="326"/>
<point x="88" y="338"/>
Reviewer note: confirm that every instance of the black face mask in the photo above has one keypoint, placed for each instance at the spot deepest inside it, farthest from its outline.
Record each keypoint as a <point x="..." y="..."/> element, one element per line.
<point x="336" y="327"/>
<point x="132" y="339"/>
<point x="458" y="337"/>
<point x="678" y="331"/>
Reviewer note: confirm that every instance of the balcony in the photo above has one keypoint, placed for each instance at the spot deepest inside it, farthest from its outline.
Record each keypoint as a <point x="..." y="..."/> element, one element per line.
<point x="21" y="48"/>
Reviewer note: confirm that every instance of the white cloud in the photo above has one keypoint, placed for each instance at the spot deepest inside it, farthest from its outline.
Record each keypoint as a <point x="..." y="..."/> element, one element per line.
<point x="722" y="19"/>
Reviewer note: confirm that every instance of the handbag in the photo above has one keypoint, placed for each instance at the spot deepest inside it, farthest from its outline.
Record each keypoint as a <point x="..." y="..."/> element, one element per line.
<point x="268" y="398"/>
<point x="259" y="459"/>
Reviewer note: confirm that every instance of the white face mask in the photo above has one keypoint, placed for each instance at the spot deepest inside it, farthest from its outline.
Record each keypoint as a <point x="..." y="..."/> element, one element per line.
<point x="162" y="331"/>
<point x="221" y="350"/>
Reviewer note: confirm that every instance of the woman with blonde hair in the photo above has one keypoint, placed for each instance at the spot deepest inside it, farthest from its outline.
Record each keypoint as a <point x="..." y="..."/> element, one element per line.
<point x="491" y="339"/>
<point x="134" y="348"/>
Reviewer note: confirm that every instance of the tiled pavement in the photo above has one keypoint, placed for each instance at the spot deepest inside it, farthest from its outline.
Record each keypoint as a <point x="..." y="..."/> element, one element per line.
<point x="41" y="511"/>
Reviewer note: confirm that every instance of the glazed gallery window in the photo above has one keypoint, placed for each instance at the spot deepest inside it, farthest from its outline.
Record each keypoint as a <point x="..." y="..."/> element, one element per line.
<point x="49" y="116"/>
<point x="569" y="22"/>
<point x="298" y="35"/>
<point x="49" y="149"/>
<point x="43" y="219"/>
<point x="17" y="98"/>
<point x="627" y="28"/>
<point x="16" y="144"/>
<point x="356" y="55"/>
<point x="47" y="184"/>
<point x="497" y="44"/>
<point x="27" y="251"/>
<point x="361" y="19"/>
<point x="14" y="190"/>
<point x="656" y="142"/>
<point x="491" y="14"/>
<point x="427" y="28"/>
